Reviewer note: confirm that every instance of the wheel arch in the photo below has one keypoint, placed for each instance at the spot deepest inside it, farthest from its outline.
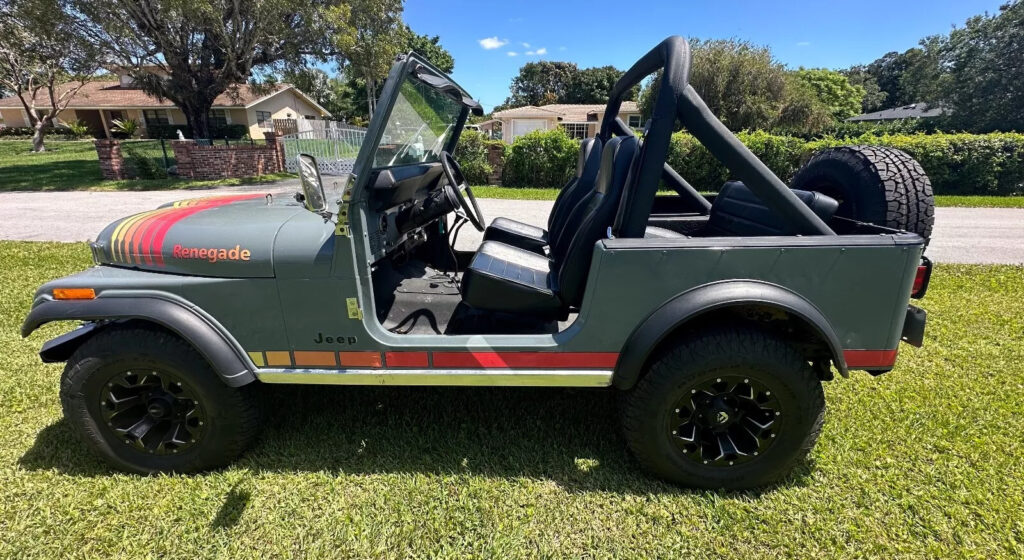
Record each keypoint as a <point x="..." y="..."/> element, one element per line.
<point x="710" y="303"/>
<point x="202" y="332"/>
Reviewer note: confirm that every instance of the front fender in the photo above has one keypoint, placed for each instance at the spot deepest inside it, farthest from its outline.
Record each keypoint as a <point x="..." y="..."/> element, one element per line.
<point x="203" y="332"/>
<point x="688" y="305"/>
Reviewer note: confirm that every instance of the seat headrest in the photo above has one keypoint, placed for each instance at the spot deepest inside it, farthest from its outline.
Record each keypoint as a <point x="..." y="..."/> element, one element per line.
<point x="589" y="163"/>
<point x="823" y="205"/>
<point x="616" y="162"/>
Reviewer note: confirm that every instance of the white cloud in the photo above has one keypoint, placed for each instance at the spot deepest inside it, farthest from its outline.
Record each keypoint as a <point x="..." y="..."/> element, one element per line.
<point x="804" y="44"/>
<point x="537" y="52"/>
<point x="512" y="53"/>
<point x="492" y="43"/>
<point x="525" y="45"/>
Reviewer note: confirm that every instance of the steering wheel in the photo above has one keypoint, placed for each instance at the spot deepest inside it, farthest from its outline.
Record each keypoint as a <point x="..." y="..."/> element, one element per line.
<point x="459" y="184"/>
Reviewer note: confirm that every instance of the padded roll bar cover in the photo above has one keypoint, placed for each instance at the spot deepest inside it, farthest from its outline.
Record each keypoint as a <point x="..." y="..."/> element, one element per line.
<point x="663" y="322"/>
<point x="672" y="56"/>
<point x="218" y="348"/>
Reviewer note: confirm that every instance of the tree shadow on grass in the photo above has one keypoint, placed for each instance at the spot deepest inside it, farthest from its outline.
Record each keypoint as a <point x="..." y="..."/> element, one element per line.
<point x="571" y="437"/>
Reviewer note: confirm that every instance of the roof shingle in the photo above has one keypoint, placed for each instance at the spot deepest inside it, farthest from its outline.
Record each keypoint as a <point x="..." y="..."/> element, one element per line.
<point x="103" y="94"/>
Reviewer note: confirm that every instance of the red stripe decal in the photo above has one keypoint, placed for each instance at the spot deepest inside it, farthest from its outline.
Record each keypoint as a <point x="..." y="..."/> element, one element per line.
<point x="511" y="360"/>
<point x="870" y="358"/>
<point x="145" y="230"/>
<point x="156" y="243"/>
<point x="406" y="359"/>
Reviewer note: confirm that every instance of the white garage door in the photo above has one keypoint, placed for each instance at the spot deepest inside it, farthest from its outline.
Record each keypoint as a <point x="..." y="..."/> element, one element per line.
<point x="523" y="126"/>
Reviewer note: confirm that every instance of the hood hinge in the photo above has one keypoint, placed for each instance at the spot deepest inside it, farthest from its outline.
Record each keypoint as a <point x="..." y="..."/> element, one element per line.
<point x="353" y="308"/>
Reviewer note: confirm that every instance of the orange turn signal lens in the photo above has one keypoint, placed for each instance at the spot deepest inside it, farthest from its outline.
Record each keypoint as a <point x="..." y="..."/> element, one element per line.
<point x="74" y="293"/>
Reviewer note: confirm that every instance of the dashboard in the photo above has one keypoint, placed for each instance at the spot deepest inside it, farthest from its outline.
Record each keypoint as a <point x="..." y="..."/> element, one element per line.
<point x="403" y="201"/>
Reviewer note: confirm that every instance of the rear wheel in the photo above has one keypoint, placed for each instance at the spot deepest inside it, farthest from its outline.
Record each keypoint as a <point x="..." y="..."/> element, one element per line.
<point x="874" y="184"/>
<point x="146" y="401"/>
<point x="728" y="409"/>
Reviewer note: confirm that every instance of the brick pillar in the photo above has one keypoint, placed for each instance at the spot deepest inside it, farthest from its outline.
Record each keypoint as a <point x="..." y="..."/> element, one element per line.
<point x="272" y="141"/>
<point x="496" y="159"/>
<point x="183" y="157"/>
<point x="111" y="162"/>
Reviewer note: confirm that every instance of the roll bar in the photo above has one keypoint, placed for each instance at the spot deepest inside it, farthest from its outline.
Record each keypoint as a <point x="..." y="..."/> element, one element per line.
<point x="677" y="99"/>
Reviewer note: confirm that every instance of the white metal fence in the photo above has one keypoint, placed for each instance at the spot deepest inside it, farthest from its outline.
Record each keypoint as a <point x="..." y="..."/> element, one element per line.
<point x="334" y="145"/>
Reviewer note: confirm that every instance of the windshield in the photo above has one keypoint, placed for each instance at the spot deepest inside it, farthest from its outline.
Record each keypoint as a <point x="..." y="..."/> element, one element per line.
<point x="421" y="122"/>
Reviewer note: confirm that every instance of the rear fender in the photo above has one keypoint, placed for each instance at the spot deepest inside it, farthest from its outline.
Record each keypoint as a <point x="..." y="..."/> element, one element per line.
<point x="675" y="313"/>
<point x="210" y="339"/>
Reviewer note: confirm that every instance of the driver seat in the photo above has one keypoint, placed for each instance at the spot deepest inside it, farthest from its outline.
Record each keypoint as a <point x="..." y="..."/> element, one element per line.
<point x="510" y="279"/>
<point x="533" y="238"/>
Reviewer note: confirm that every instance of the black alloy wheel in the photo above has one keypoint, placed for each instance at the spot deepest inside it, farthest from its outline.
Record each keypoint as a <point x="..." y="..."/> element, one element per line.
<point x="152" y="411"/>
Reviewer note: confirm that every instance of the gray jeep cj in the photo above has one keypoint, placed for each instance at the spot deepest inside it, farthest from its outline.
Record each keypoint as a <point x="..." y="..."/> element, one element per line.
<point x="716" y="318"/>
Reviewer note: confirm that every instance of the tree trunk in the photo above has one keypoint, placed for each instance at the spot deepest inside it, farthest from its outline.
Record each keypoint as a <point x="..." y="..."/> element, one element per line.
<point x="37" y="137"/>
<point x="371" y="98"/>
<point x="198" y="119"/>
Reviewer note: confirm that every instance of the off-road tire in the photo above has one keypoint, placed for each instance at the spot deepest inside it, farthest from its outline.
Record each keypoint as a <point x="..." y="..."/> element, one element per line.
<point x="874" y="184"/>
<point x="231" y="415"/>
<point x="765" y="358"/>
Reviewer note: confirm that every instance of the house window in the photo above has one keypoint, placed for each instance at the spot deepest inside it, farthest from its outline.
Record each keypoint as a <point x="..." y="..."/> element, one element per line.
<point x="156" y="116"/>
<point x="310" y="117"/>
<point x="635" y="122"/>
<point x="578" y="131"/>
<point x="218" y="118"/>
<point x="264" y="120"/>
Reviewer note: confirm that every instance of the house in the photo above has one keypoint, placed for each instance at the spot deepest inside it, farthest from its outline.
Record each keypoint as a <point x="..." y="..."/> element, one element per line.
<point x="580" y="121"/>
<point x="912" y="111"/>
<point x="101" y="102"/>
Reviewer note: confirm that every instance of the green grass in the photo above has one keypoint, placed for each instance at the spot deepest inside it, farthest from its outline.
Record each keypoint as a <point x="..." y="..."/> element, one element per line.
<point x="490" y="191"/>
<point x="980" y="201"/>
<point x="73" y="166"/>
<point x="925" y="461"/>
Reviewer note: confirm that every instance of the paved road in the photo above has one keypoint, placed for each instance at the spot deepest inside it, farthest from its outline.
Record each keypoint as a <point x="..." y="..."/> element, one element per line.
<point x="962" y="235"/>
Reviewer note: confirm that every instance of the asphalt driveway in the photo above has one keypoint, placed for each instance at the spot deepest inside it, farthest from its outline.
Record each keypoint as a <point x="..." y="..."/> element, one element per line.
<point x="962" y="235"/>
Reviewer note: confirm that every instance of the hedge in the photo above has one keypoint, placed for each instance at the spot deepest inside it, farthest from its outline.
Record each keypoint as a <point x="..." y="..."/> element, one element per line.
<point x="21" y="132"/>
<point x="957" y="164"/>
<point x="544" y="159"/>
<point x="170" y="131"/>
<point x="471" y="153"/>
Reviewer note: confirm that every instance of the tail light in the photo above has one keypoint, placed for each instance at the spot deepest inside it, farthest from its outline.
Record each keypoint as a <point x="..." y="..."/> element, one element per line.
<point x="921" y="279"/>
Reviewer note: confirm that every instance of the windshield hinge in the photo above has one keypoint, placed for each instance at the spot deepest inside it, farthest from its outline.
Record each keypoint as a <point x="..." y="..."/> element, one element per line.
<point x="353" y="308"/>
<point x="342" y="228"/>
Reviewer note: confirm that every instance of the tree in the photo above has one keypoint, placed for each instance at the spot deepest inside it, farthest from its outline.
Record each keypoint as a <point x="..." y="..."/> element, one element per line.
<point x="746" y="88"/>
<point x="332" y="93"/>
<point x="541" y="83"/>
<point x="373" y="36"/>
<point x="431" y="49"/>
<point x="834" y="90"/>
<point x="191" y="51"/>
<point x="43" y="60"/>
<point x="984" y="88"/>
<point x="592" y="85"/>
<point x="874" y="97"/>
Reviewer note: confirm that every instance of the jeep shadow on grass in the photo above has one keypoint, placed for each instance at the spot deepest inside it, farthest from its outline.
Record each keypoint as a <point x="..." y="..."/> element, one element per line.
<point x="714" y="320"/>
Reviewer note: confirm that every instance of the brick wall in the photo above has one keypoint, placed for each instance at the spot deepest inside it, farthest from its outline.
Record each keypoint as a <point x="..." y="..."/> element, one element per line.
<point x="203" y="162"/>
<point x="237" y="160"/>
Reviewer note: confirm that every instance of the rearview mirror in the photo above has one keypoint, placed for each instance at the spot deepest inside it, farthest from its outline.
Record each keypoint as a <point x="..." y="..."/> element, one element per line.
<point x="312" y="186"/>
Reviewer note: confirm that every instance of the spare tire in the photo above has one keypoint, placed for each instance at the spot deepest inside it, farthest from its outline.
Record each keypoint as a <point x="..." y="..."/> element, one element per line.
<point x="874" y="184"/>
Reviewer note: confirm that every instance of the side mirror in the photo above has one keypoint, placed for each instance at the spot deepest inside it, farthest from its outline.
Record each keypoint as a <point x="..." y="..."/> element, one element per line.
<point x="312" y="185"/>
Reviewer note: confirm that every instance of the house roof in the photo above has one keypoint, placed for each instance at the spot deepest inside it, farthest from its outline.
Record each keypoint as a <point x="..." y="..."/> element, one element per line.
<point x="104" y="94"/>
<point x="912" y="111"/>
<point x="564" y="111"/>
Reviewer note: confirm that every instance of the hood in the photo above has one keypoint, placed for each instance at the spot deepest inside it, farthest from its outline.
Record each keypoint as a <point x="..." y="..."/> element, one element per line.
<point x="226" y="236"/>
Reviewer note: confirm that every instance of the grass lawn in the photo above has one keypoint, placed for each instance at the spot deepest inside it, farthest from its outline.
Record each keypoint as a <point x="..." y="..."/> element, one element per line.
<point x="925" y="461"/>
<point x="941" y="200"/>
<point x="72" y="166"/>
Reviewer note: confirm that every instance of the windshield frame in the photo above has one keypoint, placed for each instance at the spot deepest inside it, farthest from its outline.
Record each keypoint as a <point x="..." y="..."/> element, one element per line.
<point x="407" y="67"/>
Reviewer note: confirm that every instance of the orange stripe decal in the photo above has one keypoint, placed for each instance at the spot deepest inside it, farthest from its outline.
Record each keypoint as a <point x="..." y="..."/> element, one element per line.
<point x="282" y="358"/>
<point x="360" y="359"/>
<point x="315" y="359"/>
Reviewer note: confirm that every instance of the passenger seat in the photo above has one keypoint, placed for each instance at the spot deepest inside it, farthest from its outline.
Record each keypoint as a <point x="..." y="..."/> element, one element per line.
<point x="738" y="212"/>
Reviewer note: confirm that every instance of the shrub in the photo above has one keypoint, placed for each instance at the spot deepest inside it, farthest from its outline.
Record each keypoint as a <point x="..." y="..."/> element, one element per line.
<point x="141" y="165"/>
<point x="170" y="131"/>
<point x="964" y="164"/>
<point x="126" y="128"/>
<point x="21" y="132"/>
<point x="471" y="153"/>
<point x="540" y="159"/>
<point x="79" y="129"/>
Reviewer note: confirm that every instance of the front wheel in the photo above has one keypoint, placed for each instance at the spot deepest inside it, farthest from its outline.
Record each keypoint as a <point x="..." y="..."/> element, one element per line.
<point x="731" y="409"/>
<point x="145" y="401"/>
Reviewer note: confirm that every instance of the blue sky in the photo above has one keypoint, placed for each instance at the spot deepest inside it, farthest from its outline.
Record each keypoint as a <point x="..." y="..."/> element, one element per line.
<point x="595" y="33"/>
